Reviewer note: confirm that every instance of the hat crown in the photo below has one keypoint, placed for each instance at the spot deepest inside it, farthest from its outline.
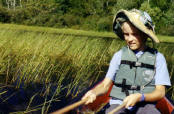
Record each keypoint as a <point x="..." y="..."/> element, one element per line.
<point x="145" y="18"/>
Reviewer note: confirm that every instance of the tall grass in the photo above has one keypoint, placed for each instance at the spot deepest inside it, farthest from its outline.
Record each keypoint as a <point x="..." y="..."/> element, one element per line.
<point x="48" y="30"/>
<point x="73" y="61"/>
<point x="31" y="57"/>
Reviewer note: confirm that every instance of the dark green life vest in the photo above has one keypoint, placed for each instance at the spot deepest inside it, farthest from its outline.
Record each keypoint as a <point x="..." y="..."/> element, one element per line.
<point x="135" y="75"/>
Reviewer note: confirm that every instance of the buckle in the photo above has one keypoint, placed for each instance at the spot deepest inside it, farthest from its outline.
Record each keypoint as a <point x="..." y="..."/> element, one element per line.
<point x="142" y="88"/>
<point x="133" y="87"/>
<point x="138" y="64"/>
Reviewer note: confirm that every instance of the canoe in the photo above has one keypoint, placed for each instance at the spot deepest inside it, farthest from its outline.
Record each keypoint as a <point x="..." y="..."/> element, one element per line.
<point x="163" y="105"/>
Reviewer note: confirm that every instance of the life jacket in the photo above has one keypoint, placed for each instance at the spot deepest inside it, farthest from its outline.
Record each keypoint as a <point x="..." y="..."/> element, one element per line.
<point x="135" y="75"/>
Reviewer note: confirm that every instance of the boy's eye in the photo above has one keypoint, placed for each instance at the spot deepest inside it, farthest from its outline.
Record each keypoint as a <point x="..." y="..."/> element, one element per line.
<point x="135" y="34"/>
<point x="126" y="34"/>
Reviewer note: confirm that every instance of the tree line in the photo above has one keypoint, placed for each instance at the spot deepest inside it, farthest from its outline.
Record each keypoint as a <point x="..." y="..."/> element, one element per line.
<point x="84" y="14"/>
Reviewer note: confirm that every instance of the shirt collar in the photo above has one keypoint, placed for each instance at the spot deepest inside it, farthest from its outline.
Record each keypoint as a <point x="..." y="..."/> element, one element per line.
<point x="138" y="53"/>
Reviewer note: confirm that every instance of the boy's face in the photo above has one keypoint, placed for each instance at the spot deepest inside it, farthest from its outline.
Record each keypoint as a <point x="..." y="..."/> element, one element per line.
<point x="133" y="37"/>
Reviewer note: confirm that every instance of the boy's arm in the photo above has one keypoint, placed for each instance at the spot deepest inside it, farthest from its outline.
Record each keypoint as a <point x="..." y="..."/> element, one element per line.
<point x="100" y="89"/>
<point x="156" y="95"/>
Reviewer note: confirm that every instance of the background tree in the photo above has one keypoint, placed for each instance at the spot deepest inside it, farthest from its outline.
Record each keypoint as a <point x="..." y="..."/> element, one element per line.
<point x="87" y="14"/>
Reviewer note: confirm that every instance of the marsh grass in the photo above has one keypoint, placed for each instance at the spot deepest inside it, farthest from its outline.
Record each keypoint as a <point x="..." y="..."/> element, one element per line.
<point x="71" y="62"/>
<point x="48" y="30"/>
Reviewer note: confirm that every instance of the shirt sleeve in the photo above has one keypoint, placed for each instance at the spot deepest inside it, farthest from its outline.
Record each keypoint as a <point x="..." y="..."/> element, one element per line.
<point x="162" y="74"/>
<point x="114" y="65"/>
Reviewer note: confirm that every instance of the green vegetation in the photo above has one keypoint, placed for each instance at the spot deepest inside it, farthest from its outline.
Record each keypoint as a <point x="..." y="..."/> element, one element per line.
<point x="77" y="60"/>
<point x="86" y="15"/>
<point x="42" y="57"/>
<point x="166" y="38"/>
<point x="49" y="30"/>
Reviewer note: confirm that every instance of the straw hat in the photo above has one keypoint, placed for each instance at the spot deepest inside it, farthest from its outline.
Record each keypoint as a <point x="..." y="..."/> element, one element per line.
<point x="139" y="19"/>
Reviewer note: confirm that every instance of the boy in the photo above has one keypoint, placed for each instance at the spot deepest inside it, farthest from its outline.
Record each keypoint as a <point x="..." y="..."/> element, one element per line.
<point x="139" y="73"/>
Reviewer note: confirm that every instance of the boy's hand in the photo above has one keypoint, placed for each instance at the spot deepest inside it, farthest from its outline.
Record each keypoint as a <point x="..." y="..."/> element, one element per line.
<point x="132" y="99"/>
<point x="91" y="96"/>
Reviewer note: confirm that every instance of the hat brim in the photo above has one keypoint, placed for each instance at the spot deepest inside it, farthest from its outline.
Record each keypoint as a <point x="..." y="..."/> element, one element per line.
<point x="135" y="20"/>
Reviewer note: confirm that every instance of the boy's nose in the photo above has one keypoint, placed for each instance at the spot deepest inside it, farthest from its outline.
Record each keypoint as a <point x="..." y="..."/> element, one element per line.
<point x="130" y="38"/>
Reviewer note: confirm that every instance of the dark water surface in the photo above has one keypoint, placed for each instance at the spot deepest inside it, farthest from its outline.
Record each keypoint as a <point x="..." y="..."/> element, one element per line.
<point x="18" y="99"/>
<point x="15" y="100"/>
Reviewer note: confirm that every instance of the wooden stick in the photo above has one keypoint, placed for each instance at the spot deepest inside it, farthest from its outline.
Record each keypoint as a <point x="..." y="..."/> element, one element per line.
<point x="117" y="108"/>
<point x="70" y="107"/>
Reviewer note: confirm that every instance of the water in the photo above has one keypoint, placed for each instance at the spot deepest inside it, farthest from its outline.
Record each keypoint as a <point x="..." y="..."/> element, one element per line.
<point x="15" y="100"/>
<point x="18" y="99"/>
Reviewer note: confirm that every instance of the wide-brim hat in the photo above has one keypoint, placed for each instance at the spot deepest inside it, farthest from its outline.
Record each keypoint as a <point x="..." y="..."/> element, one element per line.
<point x="141" y="20"/>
